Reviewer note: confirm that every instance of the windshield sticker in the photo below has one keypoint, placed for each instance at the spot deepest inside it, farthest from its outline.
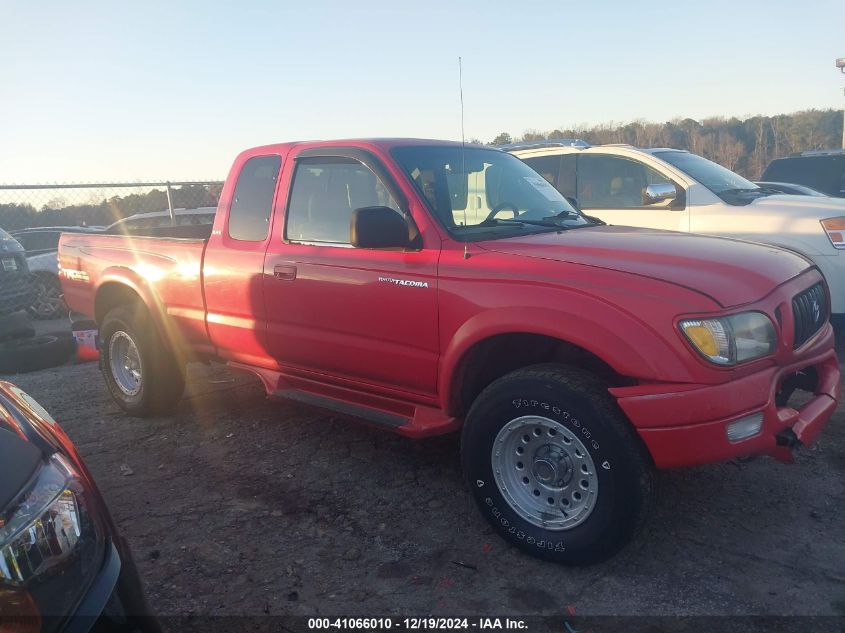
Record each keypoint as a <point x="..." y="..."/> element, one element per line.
<point x="542" y="185"/>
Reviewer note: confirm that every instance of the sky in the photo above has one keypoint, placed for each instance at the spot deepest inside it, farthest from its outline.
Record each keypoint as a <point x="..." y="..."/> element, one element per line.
<point x="118" y="91"/>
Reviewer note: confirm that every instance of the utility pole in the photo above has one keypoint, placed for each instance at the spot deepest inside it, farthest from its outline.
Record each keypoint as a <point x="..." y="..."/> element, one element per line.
<point x="840" y="64"/>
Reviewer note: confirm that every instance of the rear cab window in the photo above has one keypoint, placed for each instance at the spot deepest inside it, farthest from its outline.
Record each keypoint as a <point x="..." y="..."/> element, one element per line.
<point x="252" y="202"/>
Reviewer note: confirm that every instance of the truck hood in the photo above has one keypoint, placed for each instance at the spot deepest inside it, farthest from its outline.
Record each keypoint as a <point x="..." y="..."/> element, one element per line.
<point x="801" y="206"/>
<point x="731" y="272"/>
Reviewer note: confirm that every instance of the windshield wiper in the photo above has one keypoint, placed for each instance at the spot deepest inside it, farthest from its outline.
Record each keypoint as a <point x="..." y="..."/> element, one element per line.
<point x="568" y="214"/>
<point x="756" y="190"/>
<point x="496" y="222"/>
<point x="553" y="221"/>
<point x="508" y="221"/>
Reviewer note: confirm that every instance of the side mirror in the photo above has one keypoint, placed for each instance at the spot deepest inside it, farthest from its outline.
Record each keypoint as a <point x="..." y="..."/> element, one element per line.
<point x="573" y="202"/>
<point x="378" y="227"/>
<point x="653" y="194"/>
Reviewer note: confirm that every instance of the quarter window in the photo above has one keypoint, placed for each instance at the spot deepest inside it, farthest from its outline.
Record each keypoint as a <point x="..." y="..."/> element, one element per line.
<point x="249" y="217"/>
<point x="612" y="182"/>
<point x="324" y="193"/>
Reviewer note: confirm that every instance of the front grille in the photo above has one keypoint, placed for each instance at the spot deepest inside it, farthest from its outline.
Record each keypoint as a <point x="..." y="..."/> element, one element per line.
<point x="17" y="292"/>
<point x="810" y="312"/>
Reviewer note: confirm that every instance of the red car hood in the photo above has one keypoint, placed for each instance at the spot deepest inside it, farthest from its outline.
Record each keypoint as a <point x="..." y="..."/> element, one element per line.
<point x="732" y="272"/>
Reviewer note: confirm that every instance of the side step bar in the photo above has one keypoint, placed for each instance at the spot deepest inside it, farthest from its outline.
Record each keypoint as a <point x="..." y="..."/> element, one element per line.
<point x="381" y="418"/>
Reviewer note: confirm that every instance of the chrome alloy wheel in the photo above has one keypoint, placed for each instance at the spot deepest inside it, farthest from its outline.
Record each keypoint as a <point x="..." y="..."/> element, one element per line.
<point x="125" y="363"/>
<point x="545" y="472"/>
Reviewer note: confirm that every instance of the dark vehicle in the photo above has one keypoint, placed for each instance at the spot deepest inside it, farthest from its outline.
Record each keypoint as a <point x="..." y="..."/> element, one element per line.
<point x="41" y="245"/>
<point x="791" y="189"/>
<point x="824" y="171"/>
<point x="63" y="565"/>
<point x="40" y="240"/>
<point x="16" y="288"/>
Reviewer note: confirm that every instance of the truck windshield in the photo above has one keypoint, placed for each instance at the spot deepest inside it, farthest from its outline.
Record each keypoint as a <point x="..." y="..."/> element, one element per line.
<point x="721" y="181"/>
<point x="480" y="194"/>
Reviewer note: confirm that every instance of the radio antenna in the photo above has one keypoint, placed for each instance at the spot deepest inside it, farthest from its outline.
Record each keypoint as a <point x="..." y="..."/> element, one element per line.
<point x="464" y="173"/>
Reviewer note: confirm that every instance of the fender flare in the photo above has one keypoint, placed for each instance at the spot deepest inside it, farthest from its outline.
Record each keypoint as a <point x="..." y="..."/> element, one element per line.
<point x="127" y="278"/>
<point x="632" y="354"/>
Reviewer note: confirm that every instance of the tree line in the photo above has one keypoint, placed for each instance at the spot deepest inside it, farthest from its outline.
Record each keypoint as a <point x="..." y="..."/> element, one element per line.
<point x="57" y="212"/>
<point x="745" y="146"/>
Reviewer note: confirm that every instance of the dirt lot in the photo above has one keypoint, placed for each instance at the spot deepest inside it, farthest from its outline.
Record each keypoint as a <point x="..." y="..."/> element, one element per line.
<point x="239" y="505"/>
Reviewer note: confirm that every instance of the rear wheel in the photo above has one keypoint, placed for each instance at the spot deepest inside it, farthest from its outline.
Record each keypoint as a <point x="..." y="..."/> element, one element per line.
<point x="144" y="377"/>
<point x="554" y="465"/>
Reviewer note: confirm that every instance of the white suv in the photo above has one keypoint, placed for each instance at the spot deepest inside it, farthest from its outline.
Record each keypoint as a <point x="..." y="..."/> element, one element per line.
<point x="673" y="189"/>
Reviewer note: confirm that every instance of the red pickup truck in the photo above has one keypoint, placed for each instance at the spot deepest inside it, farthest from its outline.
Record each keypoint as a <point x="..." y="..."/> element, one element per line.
<point x="427" y="286"/>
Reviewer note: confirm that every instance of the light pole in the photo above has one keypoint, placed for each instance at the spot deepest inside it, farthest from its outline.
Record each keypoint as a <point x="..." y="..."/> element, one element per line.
<point x="840" y="64"/>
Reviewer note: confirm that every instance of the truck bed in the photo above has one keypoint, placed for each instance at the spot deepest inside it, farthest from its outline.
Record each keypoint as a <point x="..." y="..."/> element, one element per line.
<point x="190" y="231"/>
<point x="165" y="271"/>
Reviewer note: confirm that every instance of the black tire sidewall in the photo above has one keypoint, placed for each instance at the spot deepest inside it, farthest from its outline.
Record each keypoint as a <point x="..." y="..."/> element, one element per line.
<point x="35" y="353"/>
<point x="609" y="523"/>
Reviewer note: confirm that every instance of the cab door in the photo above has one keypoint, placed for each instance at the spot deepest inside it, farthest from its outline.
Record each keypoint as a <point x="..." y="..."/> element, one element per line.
<point x="234" y="263"/>
<point x="611" y="188"/>
<point x="336" y="313"/>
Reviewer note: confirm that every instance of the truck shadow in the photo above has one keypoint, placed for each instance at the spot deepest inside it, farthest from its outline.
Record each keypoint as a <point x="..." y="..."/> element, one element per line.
<point x="317" y="486"/>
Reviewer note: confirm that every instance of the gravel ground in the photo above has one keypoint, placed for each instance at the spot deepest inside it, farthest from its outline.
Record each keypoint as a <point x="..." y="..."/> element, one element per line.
<point x="239" y="505"/>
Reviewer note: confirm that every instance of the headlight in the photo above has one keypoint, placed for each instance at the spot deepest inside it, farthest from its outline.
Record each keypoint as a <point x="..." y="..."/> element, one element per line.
<point x="733" y="339"/>
<point x="50" y="545"/>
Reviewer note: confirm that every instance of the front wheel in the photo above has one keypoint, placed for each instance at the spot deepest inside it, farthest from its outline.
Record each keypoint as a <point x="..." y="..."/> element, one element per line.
<point x="144" y="377"/>
<point x="554" y="465"/>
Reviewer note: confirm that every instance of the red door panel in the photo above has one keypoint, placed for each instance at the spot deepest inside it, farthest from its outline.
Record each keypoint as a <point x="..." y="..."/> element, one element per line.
<point x="365" y="315"/>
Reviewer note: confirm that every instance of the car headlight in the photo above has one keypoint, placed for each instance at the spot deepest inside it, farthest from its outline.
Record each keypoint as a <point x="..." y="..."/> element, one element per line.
<point x="51" y="547"/>
<point x="732" y="339"/>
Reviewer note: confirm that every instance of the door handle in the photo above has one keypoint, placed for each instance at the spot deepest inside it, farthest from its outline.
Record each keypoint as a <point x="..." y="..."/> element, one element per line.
<point x="284" y="272"/>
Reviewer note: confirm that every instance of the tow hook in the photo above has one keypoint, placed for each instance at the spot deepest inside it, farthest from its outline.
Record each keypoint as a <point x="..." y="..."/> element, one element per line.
<point x="787" y="438"/>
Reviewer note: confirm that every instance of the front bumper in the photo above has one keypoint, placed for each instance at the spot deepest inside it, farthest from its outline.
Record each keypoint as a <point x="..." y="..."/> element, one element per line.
<point x="114" y="602"/>
<point x="685" y="425"/>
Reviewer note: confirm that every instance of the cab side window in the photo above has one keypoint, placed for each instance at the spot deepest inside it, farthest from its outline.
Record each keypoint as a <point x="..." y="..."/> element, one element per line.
<point x="325" y="192"/>
<point x="559" y="170"/>
<point x="547" y="166"/>
<point x="252" y="204"/>
<point x="613" y="182"/>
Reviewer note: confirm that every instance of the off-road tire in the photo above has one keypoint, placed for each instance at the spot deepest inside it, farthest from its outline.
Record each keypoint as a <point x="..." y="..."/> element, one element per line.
<point x="560" y="404"/>
<point x="32" y="353"/>
<point x="161" y="376"/>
